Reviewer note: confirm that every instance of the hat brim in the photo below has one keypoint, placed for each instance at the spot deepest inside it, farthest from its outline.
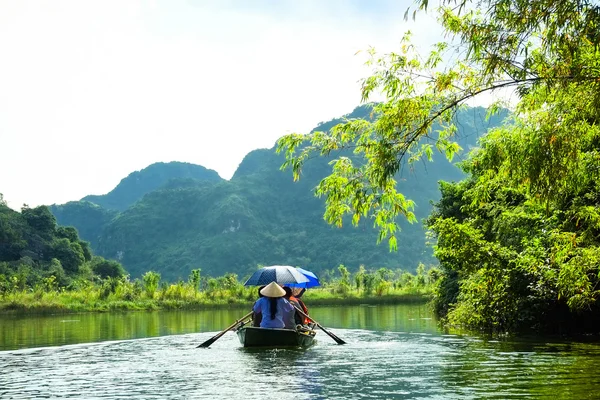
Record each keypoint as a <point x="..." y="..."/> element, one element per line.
<point x="273" y="290"/>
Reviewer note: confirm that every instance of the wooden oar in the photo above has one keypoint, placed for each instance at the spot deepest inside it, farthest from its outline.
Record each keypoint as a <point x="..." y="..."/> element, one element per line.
<point x="331" y="335"/>
<point x="217" y="336"/>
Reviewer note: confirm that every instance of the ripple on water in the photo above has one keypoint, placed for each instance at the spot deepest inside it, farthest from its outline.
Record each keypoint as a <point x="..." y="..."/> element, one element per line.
<point x="373" y="364"/>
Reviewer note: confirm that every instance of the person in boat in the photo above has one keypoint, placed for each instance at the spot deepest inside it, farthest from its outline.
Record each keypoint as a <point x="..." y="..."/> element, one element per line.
<point x="297" y="294"/>
<point x="295" y="318"/>
<point x="273" y="307"/>
<point x="257" y="316"/>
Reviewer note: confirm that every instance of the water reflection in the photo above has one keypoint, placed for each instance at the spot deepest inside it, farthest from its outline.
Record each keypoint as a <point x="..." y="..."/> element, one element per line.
<point x="55" y="330"/>
<point x="392" y="352"/>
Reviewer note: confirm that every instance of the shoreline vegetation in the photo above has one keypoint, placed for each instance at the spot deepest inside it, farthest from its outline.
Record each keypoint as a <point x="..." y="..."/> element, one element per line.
<point x="46" y="268"/>
<point x="149" y="294"/>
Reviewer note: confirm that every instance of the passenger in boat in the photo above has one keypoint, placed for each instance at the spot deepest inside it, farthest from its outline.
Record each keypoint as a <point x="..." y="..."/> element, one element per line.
<point x="273" y="307"/>
<point x="295" y="318"/>
<point x="257" y="316"/>
<point x="297" y="294"/>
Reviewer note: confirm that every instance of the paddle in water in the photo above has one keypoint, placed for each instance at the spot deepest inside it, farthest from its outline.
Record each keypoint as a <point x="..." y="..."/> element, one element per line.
<point x="331" y="335"/>
<point x="217" y="336"/>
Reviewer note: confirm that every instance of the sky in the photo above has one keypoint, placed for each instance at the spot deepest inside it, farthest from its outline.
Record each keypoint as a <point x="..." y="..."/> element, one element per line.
<point x="91" y="91"/>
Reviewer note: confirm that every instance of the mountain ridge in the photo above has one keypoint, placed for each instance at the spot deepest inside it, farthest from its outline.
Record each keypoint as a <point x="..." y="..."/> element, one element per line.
<point x="260" y="216"/>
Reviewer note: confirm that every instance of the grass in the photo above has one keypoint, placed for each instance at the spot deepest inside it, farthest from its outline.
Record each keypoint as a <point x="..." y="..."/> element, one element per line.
<point x="183" y="297"/>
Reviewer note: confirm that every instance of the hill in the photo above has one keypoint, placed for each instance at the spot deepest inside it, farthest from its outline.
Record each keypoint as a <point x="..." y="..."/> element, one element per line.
<point x="261" y="216"/>
<point x="138" y="183"/>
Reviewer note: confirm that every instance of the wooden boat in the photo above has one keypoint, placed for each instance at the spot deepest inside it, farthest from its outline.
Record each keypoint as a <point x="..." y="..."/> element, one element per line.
<point x="251" y="336"/>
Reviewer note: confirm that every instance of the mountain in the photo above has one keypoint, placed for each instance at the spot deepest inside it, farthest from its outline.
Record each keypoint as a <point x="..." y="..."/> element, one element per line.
<point x="261" y="216"/>
<point x="89" y="218"/>
<point x="138" y="183"/>
<point x="92" y="213"/>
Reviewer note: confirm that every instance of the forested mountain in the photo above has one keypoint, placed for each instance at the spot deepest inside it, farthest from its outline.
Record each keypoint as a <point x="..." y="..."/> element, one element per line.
<point x="138" y="183"/>
<point x="260" y="216"/>
<point x="92" y="213"/>
<point x="89" y="218"/>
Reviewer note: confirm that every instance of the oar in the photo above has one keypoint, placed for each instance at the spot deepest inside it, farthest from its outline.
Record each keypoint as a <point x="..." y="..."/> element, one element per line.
<point x="217" y="336"/>
<point x="331" y="335"/>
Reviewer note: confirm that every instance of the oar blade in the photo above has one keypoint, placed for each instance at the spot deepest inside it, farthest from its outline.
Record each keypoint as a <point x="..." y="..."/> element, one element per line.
<point x="207" y="343"/>
<point x="331" y="335"/>
<point x="217" y="336"/>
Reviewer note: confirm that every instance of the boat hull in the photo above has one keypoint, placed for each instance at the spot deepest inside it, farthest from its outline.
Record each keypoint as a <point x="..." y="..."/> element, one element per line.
<point x="262" y="337"/>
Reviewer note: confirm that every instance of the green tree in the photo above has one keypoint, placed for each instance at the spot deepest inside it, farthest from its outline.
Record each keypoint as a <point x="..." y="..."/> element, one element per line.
<point x="12" y="242"/>
<point x="534" y="46"/>
<point x="359" y="277"/>
<point x="194" y="279"/>
<point x="151" y="281"/>
<point x="70" y="254"/>
<point x="107" y="268"/>
<point x="86" y="249"/>
<point x="56" y="271"/>
<point x="40" y="219"/>
<point x="67" y="232"/>
<point x="344" y="283"/>
<point x="518" y="240"/>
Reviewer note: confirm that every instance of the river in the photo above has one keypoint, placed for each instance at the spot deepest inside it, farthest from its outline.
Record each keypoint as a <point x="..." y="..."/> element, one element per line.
<point x="392" y="352"/>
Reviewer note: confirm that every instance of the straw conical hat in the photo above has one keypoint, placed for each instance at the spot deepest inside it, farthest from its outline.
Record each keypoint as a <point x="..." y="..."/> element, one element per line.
<point x="273" y="290"/>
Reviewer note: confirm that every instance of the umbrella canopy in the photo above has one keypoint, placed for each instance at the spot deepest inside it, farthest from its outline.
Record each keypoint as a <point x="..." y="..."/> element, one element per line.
<point x="282" y="274"/>
<point x="312" y="280"/>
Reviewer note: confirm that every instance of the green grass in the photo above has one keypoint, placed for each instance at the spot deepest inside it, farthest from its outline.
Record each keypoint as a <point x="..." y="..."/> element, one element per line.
<point x="184" y="298"/>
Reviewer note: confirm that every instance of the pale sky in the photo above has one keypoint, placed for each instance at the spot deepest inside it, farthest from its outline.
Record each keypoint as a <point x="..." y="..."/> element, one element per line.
<point x="91" y="91"/>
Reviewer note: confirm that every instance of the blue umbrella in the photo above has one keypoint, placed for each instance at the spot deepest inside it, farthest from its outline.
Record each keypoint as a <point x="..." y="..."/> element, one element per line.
<point x="312" y="280"/>
<point x="282" y="274"/>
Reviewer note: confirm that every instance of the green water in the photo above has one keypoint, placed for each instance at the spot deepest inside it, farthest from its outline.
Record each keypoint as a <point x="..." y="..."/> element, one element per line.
<point x="392" y="352"/>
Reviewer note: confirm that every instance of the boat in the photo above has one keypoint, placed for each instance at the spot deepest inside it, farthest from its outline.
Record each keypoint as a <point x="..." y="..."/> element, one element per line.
<point x="251" y="336"/>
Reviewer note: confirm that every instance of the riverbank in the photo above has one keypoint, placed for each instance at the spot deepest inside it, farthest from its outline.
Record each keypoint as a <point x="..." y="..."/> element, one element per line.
<point x="77" y="302"/>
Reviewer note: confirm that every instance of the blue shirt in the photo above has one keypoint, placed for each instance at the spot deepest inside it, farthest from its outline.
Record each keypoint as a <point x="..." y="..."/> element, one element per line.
<point x="284" y="310"/>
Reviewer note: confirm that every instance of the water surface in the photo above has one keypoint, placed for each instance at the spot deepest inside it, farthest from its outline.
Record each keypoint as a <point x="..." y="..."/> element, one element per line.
<point x="392" y="352"/>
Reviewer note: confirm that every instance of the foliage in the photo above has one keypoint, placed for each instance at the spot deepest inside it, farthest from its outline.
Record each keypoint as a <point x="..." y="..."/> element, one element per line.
<point x="151" y="280"/>
<point x="38" y="255"/>
<point x="148" y="293"/>
<point x="505" y="43"/>
<point x="518" y="240"/>
<point x="520" y="249"/>
<point x="107" y="268"/>
<point x="88" y="218"/>
<point x="194" y="279"/>
<point x="260" y="216"/>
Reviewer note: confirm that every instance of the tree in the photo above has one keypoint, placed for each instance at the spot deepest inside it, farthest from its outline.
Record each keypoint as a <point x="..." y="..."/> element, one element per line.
<point x="194" y="279"/>
<point x="11" y="236"/>
<point x="86" y="249"/>
<point x="55" y="270"/>
<point x="518" y="240"/>
<point x="151" y="280"/>
<point x="534" y="46"/>
<point x="40" y="219"/>
<point x="344" y="285"/>
<point x="107" y="268"/>
<point x="67" y="232"/>
<point x="69" y="254"/>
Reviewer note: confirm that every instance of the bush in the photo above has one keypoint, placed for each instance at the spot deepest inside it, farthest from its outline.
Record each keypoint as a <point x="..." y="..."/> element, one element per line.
<point x="151" y="280"/>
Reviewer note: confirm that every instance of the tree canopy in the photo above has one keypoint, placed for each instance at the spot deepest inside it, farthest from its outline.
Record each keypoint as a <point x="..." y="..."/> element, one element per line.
<point x="522" y="231"/>
<point x="35" y="251"/>
<point x="539" y="47"/>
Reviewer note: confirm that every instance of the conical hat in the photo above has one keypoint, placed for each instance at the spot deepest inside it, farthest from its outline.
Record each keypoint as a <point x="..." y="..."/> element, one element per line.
<point x="273" y="290"/>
